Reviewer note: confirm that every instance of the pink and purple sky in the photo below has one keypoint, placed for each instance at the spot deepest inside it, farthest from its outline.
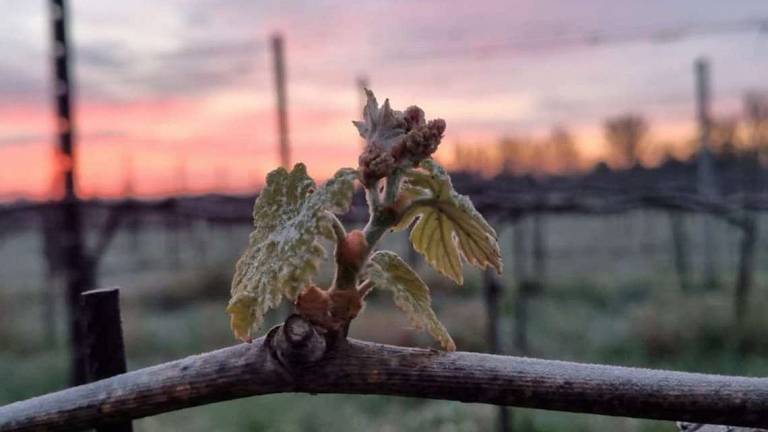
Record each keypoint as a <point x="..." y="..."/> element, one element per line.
<point x="178" y="94"/>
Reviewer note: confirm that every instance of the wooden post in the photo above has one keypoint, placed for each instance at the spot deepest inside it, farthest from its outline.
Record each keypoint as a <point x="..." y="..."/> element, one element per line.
<point x="282" y="110"/>
<point x="62" y="87"/>
<point x="493" y="291"/>
<point x="680" y="249"/>
<point x="539" y="252"/>
<point x="78" y="268"/>
<point x="129" y="193"/>
<point x="104" y="348"/>
<point x="51" y="250"/>
<point x="705" y="169"/>
<point x="746" y="269"/>
<point x="520" y="311"/>
<point x="175" y="223"/>
<point x="171" y="237"/>
<point x="48" y="312"/>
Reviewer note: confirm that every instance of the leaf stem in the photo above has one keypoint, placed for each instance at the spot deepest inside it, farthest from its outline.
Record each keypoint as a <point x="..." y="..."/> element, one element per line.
<point x="373" y="197"/>
<point x="338" y="227"/>
<point x="382" y="217"/>
<point x="393" y="187"/>
<point x="364" y="288"/>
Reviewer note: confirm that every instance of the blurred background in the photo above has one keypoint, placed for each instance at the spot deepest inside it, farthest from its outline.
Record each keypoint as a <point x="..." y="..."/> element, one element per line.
<point x="620" y="148"/>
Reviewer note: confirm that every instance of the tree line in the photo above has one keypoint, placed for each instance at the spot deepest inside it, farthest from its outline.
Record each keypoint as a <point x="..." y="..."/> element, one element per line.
<point x="628" y="142"/>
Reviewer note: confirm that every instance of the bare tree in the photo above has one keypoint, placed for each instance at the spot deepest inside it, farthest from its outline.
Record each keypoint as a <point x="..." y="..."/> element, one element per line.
<point x="561" y="152"/>
<point x="514" y="155"/>
<point x="556" y="153"/>
<point x="724" y="137"/>
<point x="625" y="135"/>
<point x="472" y="158"/>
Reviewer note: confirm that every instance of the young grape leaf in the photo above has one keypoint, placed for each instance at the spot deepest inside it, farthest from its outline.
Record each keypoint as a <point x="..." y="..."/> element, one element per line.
<point x="284" y="253"/>
<point x="388" y="271"/>
<point x="381" y="127"/>
<point x="448" y="225"/>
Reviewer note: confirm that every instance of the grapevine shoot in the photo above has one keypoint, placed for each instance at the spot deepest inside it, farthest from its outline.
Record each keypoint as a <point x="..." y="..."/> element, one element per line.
<point x="405" y="188"/>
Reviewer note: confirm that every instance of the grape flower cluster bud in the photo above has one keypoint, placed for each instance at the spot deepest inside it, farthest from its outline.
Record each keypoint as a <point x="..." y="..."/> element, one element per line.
<point x="394" y="138"/>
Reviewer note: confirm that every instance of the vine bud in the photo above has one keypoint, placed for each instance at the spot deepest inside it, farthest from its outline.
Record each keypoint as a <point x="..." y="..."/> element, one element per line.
<point x="353" y="250"/>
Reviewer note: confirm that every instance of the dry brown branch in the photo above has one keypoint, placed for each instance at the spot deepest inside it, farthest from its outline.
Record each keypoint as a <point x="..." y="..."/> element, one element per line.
<point x="294" y="358"/>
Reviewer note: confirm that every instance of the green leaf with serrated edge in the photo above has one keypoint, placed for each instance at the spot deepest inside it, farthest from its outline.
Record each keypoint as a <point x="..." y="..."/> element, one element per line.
<point x="388" y="271"/>
<point x="284" y="250"/>
<point x="448" y="226"/>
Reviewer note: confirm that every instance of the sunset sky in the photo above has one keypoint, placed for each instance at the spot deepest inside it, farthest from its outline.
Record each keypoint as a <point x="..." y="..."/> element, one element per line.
<point x="178" y="95"/>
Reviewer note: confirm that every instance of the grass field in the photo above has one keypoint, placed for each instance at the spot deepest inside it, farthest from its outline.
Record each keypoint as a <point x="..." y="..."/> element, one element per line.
<point x="611" y="296"/>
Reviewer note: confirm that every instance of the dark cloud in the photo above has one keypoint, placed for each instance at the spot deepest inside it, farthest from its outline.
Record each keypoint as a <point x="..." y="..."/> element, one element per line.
<point x="104" y="56"/>
<point x="207" y="50"/>
<point x="111" y="72"/>
<point x="18" y="84"/>
<point x="201" y="78"/>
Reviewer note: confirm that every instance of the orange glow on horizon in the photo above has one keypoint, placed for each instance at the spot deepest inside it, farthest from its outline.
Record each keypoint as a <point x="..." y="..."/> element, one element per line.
<point x="227" y="143"/>
<point x="168" y="147"/>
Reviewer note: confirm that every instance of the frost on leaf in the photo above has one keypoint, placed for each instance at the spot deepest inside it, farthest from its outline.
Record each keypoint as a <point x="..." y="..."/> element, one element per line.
<point x="448" y="225"/>
<point x="394" y="139"/>
<point x="381" y="126"/>
<point x="388" y="271"/>
<point x="284" y="253"/>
